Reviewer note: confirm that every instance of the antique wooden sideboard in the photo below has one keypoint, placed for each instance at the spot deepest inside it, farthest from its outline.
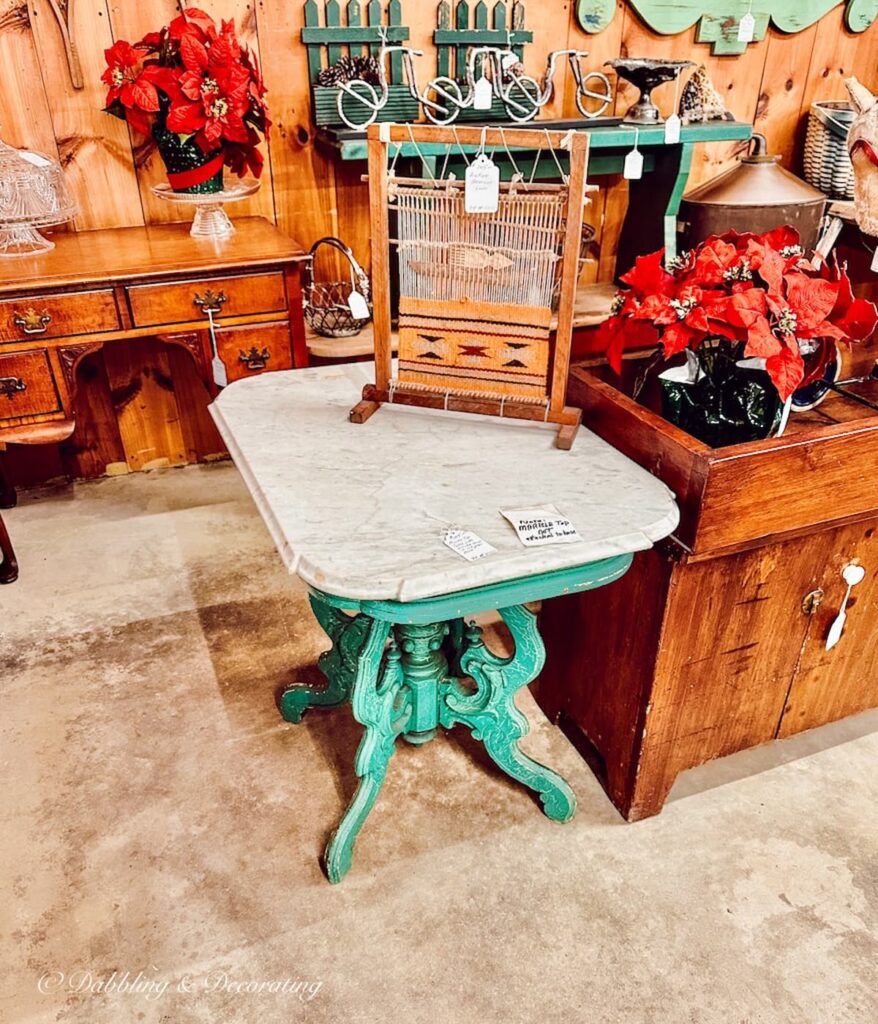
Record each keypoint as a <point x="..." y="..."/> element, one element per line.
<point x="98" y="287"/>
<point x="715" y="641"/>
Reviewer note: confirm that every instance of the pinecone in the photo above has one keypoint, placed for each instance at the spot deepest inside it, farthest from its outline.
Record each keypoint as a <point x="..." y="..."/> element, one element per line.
<point x="348" y="69"/>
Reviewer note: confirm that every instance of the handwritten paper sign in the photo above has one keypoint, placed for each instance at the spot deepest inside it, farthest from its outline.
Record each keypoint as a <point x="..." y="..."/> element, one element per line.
<point x="538" y="526"/>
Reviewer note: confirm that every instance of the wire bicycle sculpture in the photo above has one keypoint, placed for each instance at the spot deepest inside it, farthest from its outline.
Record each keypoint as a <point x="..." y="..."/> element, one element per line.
<point x="492" y="73"/>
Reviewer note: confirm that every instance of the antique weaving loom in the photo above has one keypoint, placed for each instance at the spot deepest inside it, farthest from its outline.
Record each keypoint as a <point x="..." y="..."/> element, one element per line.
<point x="478" y="293"/>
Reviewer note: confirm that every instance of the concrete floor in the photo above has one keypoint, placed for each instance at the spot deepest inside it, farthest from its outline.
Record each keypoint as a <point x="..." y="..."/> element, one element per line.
<point x="158" y="818"/>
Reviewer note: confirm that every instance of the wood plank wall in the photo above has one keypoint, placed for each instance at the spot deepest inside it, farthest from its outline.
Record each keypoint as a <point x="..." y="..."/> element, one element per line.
<point x="305" y="193"/>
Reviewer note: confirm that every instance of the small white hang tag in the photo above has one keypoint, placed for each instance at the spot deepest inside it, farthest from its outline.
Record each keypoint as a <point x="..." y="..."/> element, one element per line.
<point x="874" y="264"/>
<point x="466" y="544"/>
<point x="358" y="306"/>
<point x="633" y="167"/>
<point x="482" y="94"/>
<point x="482" y="186"/>
<point x="746" y="28"/>
<point x="538" y="526"/>
<point x="672" y="129"/>
<point x="218" y="370"/>
<point x="509" y="60"/>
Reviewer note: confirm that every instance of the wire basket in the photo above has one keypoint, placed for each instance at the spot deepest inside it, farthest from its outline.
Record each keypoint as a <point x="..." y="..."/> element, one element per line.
<point x="327" y="304"/>
<point x="827" y="162"/>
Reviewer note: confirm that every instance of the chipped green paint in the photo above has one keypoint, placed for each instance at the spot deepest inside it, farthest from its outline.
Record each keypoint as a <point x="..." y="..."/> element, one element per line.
<point x="406" y="668"/>
<point x="719" y="25"/>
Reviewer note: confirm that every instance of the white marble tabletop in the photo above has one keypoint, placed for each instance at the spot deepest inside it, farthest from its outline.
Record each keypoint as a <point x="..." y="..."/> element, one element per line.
<point x="360" y="510"/>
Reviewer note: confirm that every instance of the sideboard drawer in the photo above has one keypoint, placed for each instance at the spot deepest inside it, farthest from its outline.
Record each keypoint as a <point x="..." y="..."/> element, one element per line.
<point x="183" y="301"/>
<point x="53" y="316"/>
<point x="254" y="349"/>
<point x="27" y="385"/>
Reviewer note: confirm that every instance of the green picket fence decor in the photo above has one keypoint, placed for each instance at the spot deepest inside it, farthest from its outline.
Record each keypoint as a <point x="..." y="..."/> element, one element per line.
<point x="462" y="25"/>
<point x="328" y="40"/>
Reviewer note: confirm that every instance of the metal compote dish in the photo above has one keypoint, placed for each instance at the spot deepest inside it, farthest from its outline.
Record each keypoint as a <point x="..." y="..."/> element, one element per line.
<point x="646" y="73"/>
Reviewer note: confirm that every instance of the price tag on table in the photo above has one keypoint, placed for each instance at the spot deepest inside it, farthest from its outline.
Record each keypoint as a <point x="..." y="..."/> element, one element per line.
<point x="542" y="525"/>
<point x="358" y="306"/>
<point x="633" y="167"/>
<point x="482" y="186"/>
<point x="466" y="544"/>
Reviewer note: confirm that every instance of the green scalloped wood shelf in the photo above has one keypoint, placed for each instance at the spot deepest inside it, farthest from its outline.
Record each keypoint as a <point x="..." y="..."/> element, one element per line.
<point x="721" y="29"/>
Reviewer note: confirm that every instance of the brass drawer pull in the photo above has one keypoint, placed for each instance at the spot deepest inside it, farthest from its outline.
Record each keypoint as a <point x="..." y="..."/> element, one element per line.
<point x="255" y="360"/>
<point x="210" y="302"/>
<point x="10" y="386"/>
<point x="32" y="322"/>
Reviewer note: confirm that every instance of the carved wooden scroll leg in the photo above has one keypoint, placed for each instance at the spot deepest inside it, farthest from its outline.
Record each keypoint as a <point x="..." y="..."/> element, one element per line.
<point x="376" y="699"/>
<point x="491" y="712"/>
<point x="338" y="665"/>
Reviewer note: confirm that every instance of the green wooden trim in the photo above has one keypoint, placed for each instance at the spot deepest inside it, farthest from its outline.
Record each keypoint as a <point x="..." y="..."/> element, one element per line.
<point x="464" y="38"/>
<point x="333" y="20"/>
<point x="312" y="17"/>
<point x="602" y="140"/>
<point x="357" y="34"/>
<point x="673" y="207"/>
<point x="496" y="595"/>
<point x="719" y="24"/>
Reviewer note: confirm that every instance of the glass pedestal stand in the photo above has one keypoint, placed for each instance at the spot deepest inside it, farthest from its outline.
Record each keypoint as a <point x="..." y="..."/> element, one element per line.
<point x="211" y="221"/>
<point x="22" y="240"/>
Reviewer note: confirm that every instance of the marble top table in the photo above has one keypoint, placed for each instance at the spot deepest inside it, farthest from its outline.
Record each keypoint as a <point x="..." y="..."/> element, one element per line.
<point x="359" y="513"/>
<point x="360" y="510"/>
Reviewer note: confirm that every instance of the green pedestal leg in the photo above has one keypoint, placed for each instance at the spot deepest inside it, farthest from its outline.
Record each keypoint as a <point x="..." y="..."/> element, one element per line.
<point x="380" y="703"/>
<point x="491" y="713"/>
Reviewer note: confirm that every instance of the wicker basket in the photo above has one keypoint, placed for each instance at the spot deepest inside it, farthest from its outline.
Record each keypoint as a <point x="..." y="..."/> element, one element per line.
<point x="827" y="162"/>
<point x="326" y="303"/>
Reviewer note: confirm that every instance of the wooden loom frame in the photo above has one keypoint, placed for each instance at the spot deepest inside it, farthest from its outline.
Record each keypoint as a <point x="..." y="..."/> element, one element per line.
<point x="380" y="137"/>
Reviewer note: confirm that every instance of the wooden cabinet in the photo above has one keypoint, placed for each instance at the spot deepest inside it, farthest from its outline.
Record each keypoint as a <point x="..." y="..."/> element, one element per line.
<point x="715" y="641"/>
<point x="98" y="287"/>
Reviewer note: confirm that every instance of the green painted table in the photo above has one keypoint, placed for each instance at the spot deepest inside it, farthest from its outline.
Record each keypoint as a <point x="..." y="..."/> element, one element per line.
<point x="653" y="200"/>
<point x="358" y="512"/>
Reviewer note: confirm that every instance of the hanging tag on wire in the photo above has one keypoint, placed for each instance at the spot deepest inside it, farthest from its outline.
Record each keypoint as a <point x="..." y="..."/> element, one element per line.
<point x="747" y="26"/>
<point x="633" y="167"/>
<point x="672" y="123"/>
<point x="358" y="306"/>
<point x="874" y="264"/>
<point x="482" y="94"/>
<point x="482" y="186"/>
<point x="217" y="366"/>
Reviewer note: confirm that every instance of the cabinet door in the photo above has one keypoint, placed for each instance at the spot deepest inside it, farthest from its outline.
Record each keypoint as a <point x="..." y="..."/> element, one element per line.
<point x="832" y="684"/>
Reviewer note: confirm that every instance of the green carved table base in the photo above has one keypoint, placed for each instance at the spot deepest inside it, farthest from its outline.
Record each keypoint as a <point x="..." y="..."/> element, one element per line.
<point x="409" y="668"/>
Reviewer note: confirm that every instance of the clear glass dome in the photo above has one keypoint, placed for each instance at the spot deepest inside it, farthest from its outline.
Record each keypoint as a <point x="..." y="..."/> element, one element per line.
<point x="33" y="193"/>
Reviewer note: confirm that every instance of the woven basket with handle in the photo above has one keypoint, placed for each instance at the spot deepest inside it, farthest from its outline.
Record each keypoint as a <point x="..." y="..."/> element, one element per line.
<point x="327" y="303"/>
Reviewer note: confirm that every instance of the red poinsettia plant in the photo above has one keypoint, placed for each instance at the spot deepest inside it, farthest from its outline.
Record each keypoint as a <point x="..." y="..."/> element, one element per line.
<point x="194" y="79"/>
<point x="757" y="291"/>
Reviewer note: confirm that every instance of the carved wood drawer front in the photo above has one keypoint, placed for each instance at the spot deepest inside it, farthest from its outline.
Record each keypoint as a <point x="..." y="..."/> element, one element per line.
<point x="183" y="301"/>
<point x="250" y="350"/>
<point x="53" y="316"/>
<point x="27" y="385"/>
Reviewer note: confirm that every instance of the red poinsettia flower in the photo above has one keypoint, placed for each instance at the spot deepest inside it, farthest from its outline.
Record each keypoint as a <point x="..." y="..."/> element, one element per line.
<point x="758" y="291"/>
<point x="134" y="87"/>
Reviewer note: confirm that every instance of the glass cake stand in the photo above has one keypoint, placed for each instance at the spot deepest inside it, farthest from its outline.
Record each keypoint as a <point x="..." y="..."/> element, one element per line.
<point x="211" y="220"/>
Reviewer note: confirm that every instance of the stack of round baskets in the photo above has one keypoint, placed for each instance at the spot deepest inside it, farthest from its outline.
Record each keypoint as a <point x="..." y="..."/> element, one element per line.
<point x="827" y="161"/>
<point x="327" y="304"/>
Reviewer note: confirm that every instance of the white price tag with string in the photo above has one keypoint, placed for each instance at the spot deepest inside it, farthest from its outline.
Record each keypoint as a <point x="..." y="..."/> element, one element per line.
<point x="467" y="544"/>
<point x="873" y="266"/>
<point x="672" y="123"/>
<point x="747" y="26"/>
<point x="633" y="166"/>
<point x="217" y="366"/>
<point x="482" y="94"/>
<point x="482" y="186"/>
